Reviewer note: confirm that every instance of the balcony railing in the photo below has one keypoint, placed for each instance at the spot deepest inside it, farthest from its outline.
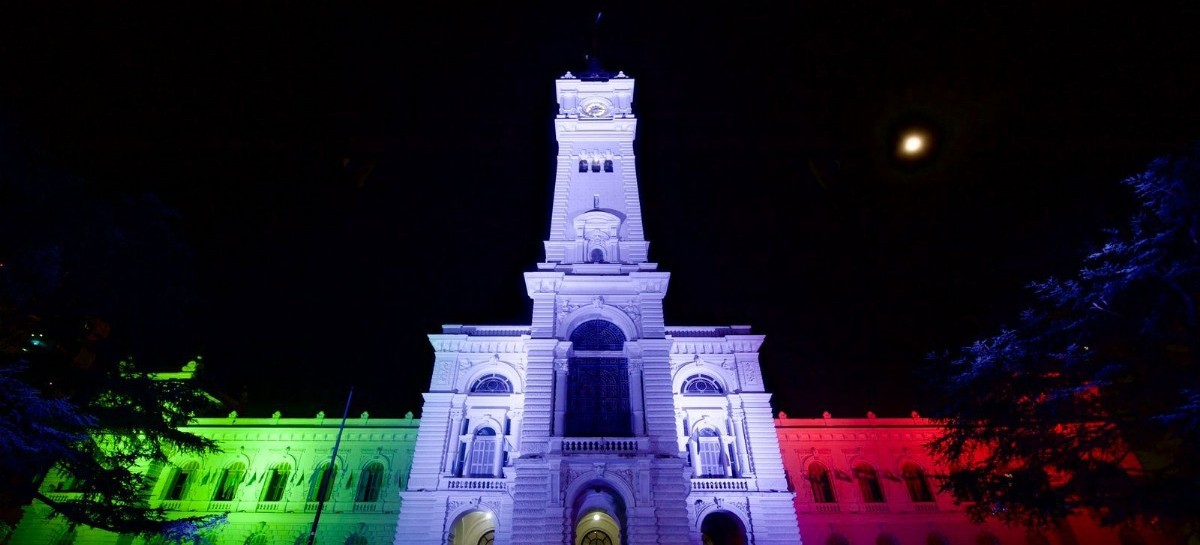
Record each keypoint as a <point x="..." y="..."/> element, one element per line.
<point x="475" y="483"/>
<point x="721" y="484"/>
<point x="875" y="507"/>
<point x="601" y="445"/>
<point x="925" y="507"/>
<point x="828" y="507"/>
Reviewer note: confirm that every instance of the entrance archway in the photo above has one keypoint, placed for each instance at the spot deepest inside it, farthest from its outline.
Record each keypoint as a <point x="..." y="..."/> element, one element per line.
<point x="723" y="528"/>
<point x="472" y="528"/>
<point x="599" y="513"/>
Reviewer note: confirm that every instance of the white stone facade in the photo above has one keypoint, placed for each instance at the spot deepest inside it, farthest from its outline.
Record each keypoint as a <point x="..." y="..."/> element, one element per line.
<point x="596" y="423"/>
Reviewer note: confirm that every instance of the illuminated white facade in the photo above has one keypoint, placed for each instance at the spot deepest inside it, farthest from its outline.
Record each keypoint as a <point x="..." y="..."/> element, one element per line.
<point x="596" y="423"/>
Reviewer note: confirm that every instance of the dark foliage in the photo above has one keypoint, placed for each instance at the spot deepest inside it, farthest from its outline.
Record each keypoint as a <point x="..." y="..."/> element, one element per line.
<point x="1091" y="402"/>
<point x="86" y="282"/>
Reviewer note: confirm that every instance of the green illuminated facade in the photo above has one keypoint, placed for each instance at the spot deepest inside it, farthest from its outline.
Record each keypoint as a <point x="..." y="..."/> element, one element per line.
<point x="266" y="478"/>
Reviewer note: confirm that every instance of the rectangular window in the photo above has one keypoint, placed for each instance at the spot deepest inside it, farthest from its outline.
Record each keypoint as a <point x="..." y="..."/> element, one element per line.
<point x="178" y="485"/>
<point x="710" y="457"/>
<point x="483" y="455"/>
<point x="276" y="482"/>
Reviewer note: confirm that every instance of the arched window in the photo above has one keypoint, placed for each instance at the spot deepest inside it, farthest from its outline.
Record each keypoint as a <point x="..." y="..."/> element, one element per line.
<point x="178" y="487"/>
<point x="598" y="387"/>
<point x="370" y="482"/>
<point x="276" y="482"/>
<point x="595" y="537"/>
<point x="598" y="335"/>
<point x="231" y="479"/>
<point x="821" y="483"/>
<point x="492" y="384"/>
<point x="608" y="165"/>
<point x="487" y="538"/>
<point x="485" y="454"/>
<point x="597" y="256"/>
<point x="868" y="483"/>
<point x="256" y="539"/>
<point x="917" y="484"/>
<point x="583" y="165"/>
<point x="323" y="477"/>
<point x="701" y="385"/>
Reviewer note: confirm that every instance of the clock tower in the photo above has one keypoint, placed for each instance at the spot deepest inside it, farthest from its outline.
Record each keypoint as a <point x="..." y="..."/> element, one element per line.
<point x="596" y="423"/>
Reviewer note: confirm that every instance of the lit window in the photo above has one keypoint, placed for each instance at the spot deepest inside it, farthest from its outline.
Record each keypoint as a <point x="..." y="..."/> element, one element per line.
<point x="231" y="479"/>
<point x="917" y="484"/>
<point x="868" y="483"/>
<point x="822" y="484"/>
<point x="492" y="384"/>
<point x="277" y="480"/>
<point x="370" y="482"/>
<point x="595" y="537"/>
<point x="702" y="385"/>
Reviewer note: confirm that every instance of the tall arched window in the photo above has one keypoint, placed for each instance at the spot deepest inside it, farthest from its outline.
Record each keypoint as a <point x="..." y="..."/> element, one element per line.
<point x="485" y="454"/>
<point x="868" y="483"/>
<point x="323" y="476"/>
<point x="492" y="384"/>
<point x="701" y="385"/>
<point x="178" y="487"/>
<point x="598" y="384"/>
<point x="276" y="482"/>
<point x="821" y="483"/>
<point x="231" y="479"/>
<point x="917" y="484"/>
<point x="370" y="482"/>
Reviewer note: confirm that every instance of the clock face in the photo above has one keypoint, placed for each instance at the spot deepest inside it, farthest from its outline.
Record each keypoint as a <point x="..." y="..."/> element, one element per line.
<point x="594" y="108"/>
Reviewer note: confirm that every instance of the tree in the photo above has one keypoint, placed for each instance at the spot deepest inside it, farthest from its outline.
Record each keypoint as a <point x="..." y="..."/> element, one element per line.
<point x="1092" y="401"/>
<point x="87" y="281"/>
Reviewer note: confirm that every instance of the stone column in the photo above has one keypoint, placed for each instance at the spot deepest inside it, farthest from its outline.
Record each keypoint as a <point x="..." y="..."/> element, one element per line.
<point x="697" y="466"/>
<point x="560" y="396"/>
<point x="638" y="413"/>
<point x="453" y="441"/>
<point x="740" y="438"/>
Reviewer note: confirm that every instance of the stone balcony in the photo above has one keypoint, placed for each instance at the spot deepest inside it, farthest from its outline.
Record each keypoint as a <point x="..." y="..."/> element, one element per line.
<point x="721" y="484"/>
<point x="477" y="483"/>
<point x="599" y="445"/>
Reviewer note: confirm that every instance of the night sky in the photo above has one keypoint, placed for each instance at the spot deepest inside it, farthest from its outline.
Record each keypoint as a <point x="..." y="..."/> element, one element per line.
<point x="351" y="179"/>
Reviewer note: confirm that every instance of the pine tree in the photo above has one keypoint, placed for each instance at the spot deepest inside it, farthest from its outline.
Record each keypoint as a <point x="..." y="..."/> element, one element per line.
<point x="87" y="281"/>
<point x="1091" y="402"/>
